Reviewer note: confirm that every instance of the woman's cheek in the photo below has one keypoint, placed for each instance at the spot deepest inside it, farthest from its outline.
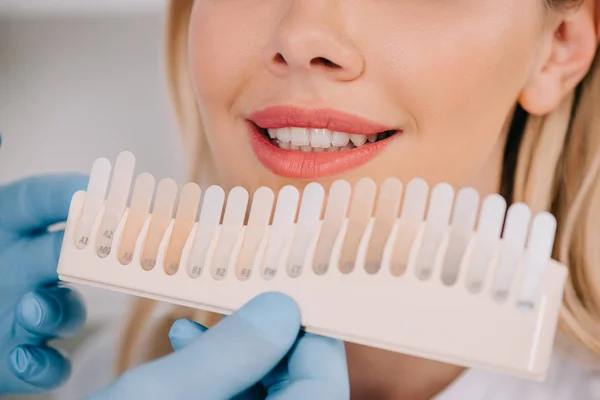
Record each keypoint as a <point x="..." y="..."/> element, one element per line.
<point x="223" y="46"/>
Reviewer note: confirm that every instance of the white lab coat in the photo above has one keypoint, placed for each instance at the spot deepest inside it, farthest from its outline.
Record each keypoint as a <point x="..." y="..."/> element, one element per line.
<point x="567" y="378"/>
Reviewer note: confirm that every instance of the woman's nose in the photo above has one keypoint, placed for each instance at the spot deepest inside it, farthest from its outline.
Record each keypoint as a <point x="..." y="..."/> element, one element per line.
<point x="310" y="40"/>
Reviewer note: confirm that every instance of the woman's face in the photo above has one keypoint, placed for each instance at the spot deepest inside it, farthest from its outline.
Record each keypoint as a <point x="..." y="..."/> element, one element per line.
<point x="434" y="82"/>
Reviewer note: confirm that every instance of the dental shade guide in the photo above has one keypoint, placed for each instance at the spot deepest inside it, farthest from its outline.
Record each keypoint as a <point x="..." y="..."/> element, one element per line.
<point x="402" y="268"/>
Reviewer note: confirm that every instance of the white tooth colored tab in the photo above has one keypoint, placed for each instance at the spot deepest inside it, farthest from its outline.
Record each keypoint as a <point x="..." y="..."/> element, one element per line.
<point x="335" y="213"/>
<point x="272" y="133"/>
<point x="511" y="250"/>
<point x="386" y="212"/>
<point x="306" y="228"/>
<point x="340" y="139"/>
<point x="210" y="216"/>
<point x="411" y="219"/>
<point x="258" y="221"/>
<point x="300" y="136"/>
<point x="281" y="229"/>
<point x="116" y="202"/>
<point x="361" y="209"/>
<point x="283" y="135"/>
<point x="235" y="212"/>
<point x="162" y="213"/>
<point x="94" y="197"/>
<point x="141" y="198"/>
<point x="537" y="258"/>
<point x="462" y="226"/>
<point x="185" y="218"/>
<point x="372" y="138"/>
<point x="320" y="138"/>
<point x="358" y="140"/>
<point x="284" y="145"/>
<point x="306" y="149"/>
<point x="487" y="234"/>
<point x="438" y="216"/>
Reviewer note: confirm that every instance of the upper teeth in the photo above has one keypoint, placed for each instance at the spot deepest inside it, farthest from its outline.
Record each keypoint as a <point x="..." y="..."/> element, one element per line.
<point x="318" y="138"/>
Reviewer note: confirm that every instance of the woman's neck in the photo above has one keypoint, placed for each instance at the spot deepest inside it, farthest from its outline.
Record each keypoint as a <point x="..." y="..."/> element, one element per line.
<point x="379" y="374"/>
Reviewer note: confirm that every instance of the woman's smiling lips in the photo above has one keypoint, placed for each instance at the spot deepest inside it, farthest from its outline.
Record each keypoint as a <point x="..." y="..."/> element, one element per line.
<point x="313" y="143"/>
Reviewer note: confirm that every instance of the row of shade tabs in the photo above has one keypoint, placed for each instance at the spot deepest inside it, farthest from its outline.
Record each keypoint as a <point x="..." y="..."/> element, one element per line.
<point x="362" y="228"/>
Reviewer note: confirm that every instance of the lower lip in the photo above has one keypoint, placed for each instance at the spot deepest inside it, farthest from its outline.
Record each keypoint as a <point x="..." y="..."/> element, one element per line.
<point x="301" y="165"/>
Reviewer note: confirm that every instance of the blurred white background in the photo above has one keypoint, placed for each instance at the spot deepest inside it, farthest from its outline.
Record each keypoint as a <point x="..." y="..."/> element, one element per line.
<point x="81" y="80"/>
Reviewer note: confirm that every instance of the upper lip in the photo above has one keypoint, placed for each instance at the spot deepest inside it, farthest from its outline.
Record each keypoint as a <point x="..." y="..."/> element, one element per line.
<point x="322" y="118"/>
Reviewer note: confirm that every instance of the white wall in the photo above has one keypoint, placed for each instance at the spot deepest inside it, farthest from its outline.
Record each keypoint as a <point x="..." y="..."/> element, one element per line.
<point x="74" y="88"/>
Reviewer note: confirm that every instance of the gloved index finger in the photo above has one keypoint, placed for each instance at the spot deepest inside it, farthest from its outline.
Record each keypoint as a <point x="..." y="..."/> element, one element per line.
<point x="33" y="204"/>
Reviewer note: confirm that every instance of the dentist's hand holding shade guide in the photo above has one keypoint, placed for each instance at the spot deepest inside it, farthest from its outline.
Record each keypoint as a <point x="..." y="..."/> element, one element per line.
<point x="431" y="272"/>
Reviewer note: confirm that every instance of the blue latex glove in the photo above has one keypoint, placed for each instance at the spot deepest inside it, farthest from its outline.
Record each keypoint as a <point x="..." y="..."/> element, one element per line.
<point x="33" y="309"/>
<point x="257" y="352"/>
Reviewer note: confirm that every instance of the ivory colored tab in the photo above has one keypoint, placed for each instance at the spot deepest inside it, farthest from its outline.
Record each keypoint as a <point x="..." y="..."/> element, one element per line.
<point x="94" y="197"/>
<point x="210" y="216"/>
<point x="306" y="228"/>
<point x="162" y="214"/>
<point x="335" y="213"/>
<point x="386" y="214"/>
<point x="115" y="203"/>
<point x="281" y="229"/>
<point x="185" y="218"/>
<point x="438" y="217"/>
<point x="537" y="258"/>
<point x="487" y="234"/>
<point x="141" y="198"/>
<point x="359" y="216"/>
<point x="462" y="225"/>
<point x="233" y="220"/>
<point x="513" y="244"/>
<point x="411" y="219"/>
<point x="258" y="221"/>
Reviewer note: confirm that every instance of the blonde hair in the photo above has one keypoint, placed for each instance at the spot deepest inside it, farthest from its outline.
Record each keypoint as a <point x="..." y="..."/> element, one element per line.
<point x="551" y="163"/>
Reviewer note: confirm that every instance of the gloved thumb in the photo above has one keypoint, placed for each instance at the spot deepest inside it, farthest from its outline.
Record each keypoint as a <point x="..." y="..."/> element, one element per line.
<point x="221" y="362"/>
<point x="184" y="332"/>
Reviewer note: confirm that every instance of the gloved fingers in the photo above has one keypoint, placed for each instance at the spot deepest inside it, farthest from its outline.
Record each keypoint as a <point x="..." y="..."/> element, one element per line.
<point x="38" y="367"/>
<point x="316" y="368"/>
<point x="244" y="346"/>
<point x="33" y="261"/>
<point x="256" y="392"/>
<point x="51" y="312"/>
<point x="33" y="204"/>
<point x="183" y="332"/>
<point x="222" y="362"/>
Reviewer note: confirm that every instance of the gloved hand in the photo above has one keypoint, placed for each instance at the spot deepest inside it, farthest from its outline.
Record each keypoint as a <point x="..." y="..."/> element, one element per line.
<point x="255" y="353"/>
<point x="33" y="309"/>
